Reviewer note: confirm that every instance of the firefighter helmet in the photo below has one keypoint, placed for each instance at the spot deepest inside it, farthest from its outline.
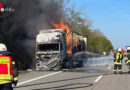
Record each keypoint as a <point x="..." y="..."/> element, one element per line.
<point x="119" y="49"/>
<point x="128" y="48"/>
<point x="3" y="47"/>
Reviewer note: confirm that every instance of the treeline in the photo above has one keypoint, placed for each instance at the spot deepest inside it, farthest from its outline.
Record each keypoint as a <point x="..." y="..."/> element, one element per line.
<point x="79" y="22"/>
<point x="97" y="42"/>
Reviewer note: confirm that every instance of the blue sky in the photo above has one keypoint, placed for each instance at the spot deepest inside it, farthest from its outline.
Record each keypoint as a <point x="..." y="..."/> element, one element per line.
<point x="112" y="17"/>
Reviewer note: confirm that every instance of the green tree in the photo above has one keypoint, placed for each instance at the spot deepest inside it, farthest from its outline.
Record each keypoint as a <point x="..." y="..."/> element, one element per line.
<point x="79" y="22"/>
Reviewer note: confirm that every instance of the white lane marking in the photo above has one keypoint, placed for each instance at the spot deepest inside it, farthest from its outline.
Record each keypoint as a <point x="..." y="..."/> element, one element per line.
<point x="38" y="78"/>
<point x="98" y="78"/>
<point x="109" y="67"/>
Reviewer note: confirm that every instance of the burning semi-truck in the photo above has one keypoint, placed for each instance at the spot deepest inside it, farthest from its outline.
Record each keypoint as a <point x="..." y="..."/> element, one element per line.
<point x="57" y="48"/>
<point x="53" y="52"/>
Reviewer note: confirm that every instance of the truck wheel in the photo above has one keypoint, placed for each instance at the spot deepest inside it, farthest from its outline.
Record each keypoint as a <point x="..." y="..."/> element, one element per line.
<point x="58" y="68"/>
<point x="81" y="64"/>
<point x="69" y="65"/>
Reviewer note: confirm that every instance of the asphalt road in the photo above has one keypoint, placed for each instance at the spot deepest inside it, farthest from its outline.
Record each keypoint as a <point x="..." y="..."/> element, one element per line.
<point x="86" y="78"/>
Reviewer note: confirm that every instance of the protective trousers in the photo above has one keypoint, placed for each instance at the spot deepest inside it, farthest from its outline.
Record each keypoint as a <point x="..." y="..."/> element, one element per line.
<point x="7" y="86"/>
<point x="117" y="67"/>
<point x="128" y="65"/>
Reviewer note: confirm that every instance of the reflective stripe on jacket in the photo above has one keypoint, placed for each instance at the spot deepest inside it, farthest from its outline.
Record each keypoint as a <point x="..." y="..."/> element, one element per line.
<point x="127" y="57"/>
<point x="4" y="81"/>
<point x="118" y="58"/>
<point x="6" y="71"/>
<point x="128" y="61"/>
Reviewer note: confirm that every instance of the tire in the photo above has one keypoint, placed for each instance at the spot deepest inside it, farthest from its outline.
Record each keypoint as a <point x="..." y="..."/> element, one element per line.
<point x="58" y="68"/>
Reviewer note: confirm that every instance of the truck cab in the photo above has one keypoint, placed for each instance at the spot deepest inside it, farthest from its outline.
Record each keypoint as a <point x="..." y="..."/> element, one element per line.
<point x="50" y="49"/>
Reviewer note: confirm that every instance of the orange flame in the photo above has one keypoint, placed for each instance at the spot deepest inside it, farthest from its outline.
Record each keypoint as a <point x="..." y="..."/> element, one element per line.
<point x="68" y="34"/>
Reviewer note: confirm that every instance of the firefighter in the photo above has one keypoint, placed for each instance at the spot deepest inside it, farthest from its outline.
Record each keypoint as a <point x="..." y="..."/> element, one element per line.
<point x="127" y="58"/>
<point x="118" y="56"/>
<point x="8" y="70"/>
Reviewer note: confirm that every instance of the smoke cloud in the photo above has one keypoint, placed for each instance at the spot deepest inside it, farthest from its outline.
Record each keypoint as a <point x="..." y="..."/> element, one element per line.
<point x="18" y="29"/>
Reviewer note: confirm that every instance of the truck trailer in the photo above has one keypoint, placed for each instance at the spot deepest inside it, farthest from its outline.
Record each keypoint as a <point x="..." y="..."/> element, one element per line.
<point x="55" y="49"/>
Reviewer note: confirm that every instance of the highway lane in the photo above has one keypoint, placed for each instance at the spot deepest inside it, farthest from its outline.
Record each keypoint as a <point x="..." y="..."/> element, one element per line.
<point x="79" y="79"/>
<point x="91" y="77"/>
<point x="114" y="81"/>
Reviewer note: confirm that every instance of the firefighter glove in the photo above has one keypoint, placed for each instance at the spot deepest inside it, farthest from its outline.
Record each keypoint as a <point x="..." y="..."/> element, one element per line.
<point x="15" y="83"/>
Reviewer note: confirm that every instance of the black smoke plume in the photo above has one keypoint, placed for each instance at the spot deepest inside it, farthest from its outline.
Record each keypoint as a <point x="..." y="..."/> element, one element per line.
<point x="18" y="29"/>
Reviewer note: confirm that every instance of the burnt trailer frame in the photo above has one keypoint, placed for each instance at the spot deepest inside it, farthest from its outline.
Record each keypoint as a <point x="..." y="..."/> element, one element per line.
<point x="85" y="43"/>
<point x="80" y="51"/>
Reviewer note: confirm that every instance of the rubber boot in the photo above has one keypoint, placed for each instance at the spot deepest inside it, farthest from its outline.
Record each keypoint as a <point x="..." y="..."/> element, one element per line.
<point x="128" y="72"/>
<point x="120" y="72"/>
<point x="115" y="72"/>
